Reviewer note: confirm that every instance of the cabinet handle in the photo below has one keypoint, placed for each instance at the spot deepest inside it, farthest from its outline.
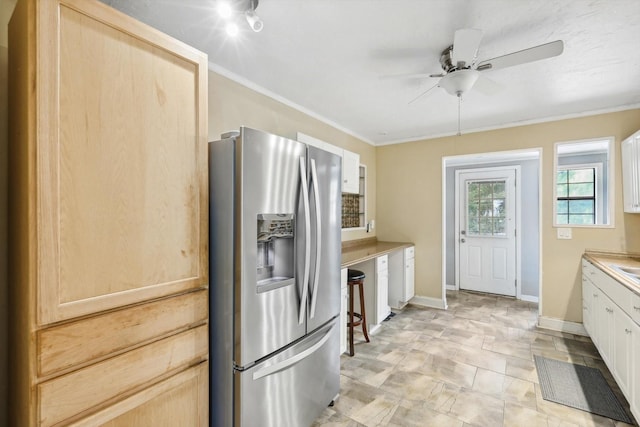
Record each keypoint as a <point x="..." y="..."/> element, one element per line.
<point x="609" y="310"/>
<point x="593" y="273"/>
<point x="636" y="308"/>
<point x="627" y="330"/>
<point x="595" y="295"/>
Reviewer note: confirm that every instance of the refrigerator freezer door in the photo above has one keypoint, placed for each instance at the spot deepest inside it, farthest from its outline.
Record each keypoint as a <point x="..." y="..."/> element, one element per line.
<point x="325" y="193"/>
<point x="267" y="302"/>
<point x="289" y="390"/>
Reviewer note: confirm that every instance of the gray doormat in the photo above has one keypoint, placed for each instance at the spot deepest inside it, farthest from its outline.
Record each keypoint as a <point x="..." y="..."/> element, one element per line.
<point x="579" y="387"/>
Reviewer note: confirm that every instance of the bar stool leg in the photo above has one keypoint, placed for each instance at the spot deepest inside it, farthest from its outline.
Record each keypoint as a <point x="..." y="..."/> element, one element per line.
<point x="351" y="350"/>
<point x="364" y="317"/>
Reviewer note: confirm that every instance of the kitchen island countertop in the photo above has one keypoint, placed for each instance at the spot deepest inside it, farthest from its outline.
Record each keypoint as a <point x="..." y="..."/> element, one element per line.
<point x="354" y="252"/>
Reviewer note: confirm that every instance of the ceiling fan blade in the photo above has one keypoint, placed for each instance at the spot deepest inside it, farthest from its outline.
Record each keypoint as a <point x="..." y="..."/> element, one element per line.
<point x="407" y="76"/>
<point x="486" y="86"/>
<point x="543" y="51"/>
<point x="422" y="94"/>
<point x="465" y="46"/>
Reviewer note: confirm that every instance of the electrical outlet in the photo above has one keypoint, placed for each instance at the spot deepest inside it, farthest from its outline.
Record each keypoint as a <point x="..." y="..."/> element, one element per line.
<point x="564" y="233"/>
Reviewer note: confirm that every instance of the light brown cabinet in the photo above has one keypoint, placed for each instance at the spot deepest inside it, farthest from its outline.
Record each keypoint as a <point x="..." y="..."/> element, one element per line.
<point x="109" y="219"/>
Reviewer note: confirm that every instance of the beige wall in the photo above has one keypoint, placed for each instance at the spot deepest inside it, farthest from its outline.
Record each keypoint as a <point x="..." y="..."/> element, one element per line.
<point x="232" y="105"/>
<point x="6" y="8"/>
<point x="410" y="203"/>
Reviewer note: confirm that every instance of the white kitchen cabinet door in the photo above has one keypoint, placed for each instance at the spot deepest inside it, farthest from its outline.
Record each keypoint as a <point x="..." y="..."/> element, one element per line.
<point x="631" y="173"/>
<point x="587" y="307"/>
<point x="635" y="373"/>
<point x="624" y="329"/>
<point x="344" y="304"/>
<point x="409" y="279"/>
<point x="382" y="308"/>
<point x="605" y="325"/>
<point x="350" y="172"/>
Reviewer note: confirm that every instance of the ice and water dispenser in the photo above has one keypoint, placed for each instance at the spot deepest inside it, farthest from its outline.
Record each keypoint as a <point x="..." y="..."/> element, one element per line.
<point x="275" y="257"/>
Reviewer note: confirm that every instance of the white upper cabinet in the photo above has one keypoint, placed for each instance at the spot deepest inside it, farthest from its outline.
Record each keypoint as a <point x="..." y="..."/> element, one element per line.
<point x="350" y="172"/>
<point x="630" y="173"/>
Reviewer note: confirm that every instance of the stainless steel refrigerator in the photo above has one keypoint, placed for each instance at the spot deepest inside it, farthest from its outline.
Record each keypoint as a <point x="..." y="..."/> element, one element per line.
<point x="275" y="250"/>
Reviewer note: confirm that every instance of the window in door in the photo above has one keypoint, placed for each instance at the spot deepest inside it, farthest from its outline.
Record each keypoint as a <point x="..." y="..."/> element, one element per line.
<point x="486" y="210"/>
<point x="354" y="205"/>
<point x="576" y="195"/>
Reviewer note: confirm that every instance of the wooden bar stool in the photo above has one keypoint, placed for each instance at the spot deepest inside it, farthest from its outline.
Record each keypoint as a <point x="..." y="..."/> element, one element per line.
<point x="356" y="278"/>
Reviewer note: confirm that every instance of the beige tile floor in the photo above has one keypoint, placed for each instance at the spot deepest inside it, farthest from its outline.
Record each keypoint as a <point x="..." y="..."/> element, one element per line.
<point x="471" y="365"/>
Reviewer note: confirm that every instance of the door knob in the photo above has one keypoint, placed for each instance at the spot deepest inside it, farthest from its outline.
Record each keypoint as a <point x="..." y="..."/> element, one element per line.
<point x="462" y="240"/>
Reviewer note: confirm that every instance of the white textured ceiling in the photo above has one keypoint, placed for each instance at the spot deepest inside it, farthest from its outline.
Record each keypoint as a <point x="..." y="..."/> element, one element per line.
<point x="330" y="58"/>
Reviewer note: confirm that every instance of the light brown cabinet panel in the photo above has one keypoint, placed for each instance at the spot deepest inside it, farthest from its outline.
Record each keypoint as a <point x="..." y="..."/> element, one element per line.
<point x="78" y="391"/>
<point x="74" y="344"/>
<point x="108" y="216"/>
<point x="122" y="189"/>
<point x="177" y="401"/>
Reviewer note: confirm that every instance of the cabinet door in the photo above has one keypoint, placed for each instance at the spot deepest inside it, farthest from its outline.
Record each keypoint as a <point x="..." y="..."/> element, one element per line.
<point x="635" y="372"/>
<point x="624" y="329"/>
<point x="344" y="306"/>
<point x="630" y="175"/>
<point x="122" y="163"/>
<point x="382" y="296"/>
<point x="409" y="279"/>
<point x="605" y="319"/>
<point x="350" y="172"/>
<point x="587" y="307"/>
<point x="177" y="401"/>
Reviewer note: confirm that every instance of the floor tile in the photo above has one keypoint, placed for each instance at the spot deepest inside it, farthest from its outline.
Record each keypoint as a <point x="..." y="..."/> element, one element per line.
<point x="471" y="365"/>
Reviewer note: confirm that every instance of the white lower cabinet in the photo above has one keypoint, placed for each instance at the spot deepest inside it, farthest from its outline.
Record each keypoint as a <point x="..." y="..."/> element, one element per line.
<point x="344" y="304"/>
<point x="382" y="309"/>
<point x="609" y="317"/>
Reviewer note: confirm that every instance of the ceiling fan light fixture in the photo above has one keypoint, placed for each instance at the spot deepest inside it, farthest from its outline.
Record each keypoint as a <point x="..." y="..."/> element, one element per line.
<point x="458" y="82"/>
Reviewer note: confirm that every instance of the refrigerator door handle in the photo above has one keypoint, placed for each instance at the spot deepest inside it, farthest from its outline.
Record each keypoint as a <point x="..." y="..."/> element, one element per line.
<point x="316" y="275"/>
<point x="276" y="367"/>
<point x="307" y="239"/>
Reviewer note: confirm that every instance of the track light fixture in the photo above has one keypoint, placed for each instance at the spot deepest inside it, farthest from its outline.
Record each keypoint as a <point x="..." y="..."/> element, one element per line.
<point x="230" y="10"/>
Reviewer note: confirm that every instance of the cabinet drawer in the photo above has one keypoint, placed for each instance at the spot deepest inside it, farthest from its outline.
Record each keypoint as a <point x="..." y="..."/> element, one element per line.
<point x="635" y="311"/>
<point x="178" y="400"/>
<point x="78" y="391"/>
<point x="409" y="252"/>
<point x="382" y="263"/>
<point x="78" y="343"/>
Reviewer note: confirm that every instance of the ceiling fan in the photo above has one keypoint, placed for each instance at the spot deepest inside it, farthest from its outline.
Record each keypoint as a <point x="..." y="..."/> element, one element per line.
<point x="461" y="71"/>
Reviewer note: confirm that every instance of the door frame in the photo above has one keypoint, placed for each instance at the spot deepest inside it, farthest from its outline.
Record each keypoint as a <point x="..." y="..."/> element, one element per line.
<point x="475" y="160"/>
<point x="518" y="210"/>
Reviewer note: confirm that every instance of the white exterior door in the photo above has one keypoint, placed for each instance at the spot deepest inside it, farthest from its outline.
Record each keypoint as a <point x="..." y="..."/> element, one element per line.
<point x="486" y="230"/>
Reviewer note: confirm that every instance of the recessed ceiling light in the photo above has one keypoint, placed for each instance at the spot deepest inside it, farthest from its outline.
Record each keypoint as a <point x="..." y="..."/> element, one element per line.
<point x="232" y="29"/>
<point x="224" y="10"/>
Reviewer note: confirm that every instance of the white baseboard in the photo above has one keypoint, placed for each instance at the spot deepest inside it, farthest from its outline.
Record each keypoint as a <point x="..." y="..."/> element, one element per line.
<point x="562" y="326"/>
<point x="529" y="298"/>
<point x="429" y="302"/>
<point x="374" y="329"/>
<point x="451" y="288"/>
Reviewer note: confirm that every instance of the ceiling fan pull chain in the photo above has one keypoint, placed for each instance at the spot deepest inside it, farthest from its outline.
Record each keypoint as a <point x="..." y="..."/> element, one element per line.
<point x="459" y="101"/>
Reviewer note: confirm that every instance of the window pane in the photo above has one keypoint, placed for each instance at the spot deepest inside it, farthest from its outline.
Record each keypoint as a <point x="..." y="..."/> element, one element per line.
<point x="581" y="207"/>
<point x="578" y="190"/>
<point x="485" y="226"/>
<point x="581" y="219"/>
<point x="562" y="219"/>
<point x="581" y="175"/>
<point x="562" y="176"/>
<point x="472" y="191"/>
<point x="473" y="227"/>
<point x="562" y="190"/>
<point x="486" y="208"/>
<point x="498" y="207"/>
<point x="498" y="190"/>
<point x="472" y="209"/>
<point x="499" y="226"/>
<point x="562" y="206"/>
